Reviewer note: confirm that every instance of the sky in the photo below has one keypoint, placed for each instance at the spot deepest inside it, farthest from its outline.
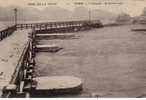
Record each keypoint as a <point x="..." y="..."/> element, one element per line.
<point x="132" y="7"/>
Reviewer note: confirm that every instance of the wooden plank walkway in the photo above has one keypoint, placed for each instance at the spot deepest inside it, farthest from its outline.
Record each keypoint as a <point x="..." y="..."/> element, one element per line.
<point x="11" y="49"/>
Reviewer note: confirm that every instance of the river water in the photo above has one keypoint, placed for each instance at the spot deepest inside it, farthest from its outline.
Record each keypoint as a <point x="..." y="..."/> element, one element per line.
<point x="111" y="61"/>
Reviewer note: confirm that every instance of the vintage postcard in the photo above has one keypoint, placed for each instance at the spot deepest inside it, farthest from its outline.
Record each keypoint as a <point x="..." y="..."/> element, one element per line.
<point x="73" y="48"/>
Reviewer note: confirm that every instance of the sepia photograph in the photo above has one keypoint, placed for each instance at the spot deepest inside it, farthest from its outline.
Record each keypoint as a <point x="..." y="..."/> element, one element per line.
<point x="72" y="48"/>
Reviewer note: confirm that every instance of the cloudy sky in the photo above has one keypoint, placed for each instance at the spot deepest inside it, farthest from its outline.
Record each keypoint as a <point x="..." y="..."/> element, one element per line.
<point x="132" y="7"/>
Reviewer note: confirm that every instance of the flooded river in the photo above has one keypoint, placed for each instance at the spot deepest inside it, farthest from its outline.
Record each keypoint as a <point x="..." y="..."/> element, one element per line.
<point x="111" y="61"/>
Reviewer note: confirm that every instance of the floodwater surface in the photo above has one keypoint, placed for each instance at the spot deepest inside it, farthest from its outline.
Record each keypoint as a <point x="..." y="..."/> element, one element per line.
<point x="111" y="61"/>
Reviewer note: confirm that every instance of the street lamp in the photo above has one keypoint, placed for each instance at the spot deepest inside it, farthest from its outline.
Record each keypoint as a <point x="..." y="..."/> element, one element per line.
<point x="89" y="14"/>
<point x="15" y="14"/>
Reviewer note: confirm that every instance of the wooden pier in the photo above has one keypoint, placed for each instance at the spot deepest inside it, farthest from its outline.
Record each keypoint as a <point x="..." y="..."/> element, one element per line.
<point x="53" y="27"/>
<point x="23" y="82"/>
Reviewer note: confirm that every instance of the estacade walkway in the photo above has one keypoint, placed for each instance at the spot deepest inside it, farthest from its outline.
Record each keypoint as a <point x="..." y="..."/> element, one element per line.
<point x="11" y="49"/>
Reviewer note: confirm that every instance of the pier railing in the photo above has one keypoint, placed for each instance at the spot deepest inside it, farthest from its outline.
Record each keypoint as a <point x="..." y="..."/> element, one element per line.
<point x="6" y="32"/>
